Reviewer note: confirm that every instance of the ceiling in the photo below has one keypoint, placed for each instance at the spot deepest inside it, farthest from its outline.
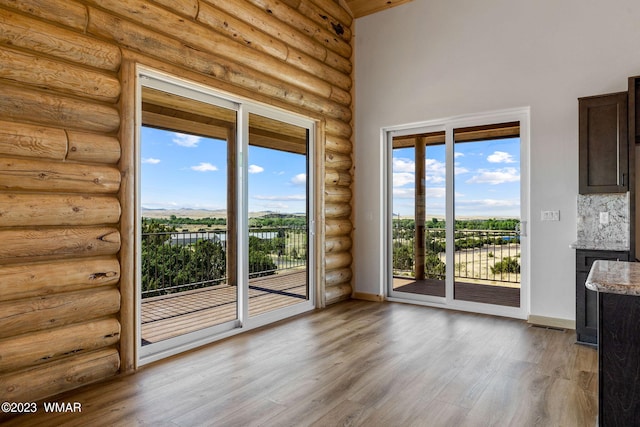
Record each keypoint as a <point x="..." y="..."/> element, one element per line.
<point x="361" y="8"/>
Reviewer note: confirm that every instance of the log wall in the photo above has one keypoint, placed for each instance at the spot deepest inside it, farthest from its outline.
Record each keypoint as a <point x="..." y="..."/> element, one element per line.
<point x="66" y="137"/>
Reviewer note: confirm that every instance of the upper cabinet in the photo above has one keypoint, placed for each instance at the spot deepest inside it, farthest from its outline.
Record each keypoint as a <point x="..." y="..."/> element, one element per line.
<point x="634" y="116"/>
<point x="604" y="147"/>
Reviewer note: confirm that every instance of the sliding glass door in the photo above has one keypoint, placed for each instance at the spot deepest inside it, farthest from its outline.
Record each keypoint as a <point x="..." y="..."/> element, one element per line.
<point x="224" y="215"/>
<point x="487" y="211"/>
<point x="418" y="234"/>
<point x="278" y="195"/>
<point x="457" y="209"/>
<point x="188" y="271"/>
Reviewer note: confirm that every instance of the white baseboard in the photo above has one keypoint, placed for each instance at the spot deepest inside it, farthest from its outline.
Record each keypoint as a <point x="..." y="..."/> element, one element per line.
<point x="367" y="297"/>
<point x="553" y="322"/>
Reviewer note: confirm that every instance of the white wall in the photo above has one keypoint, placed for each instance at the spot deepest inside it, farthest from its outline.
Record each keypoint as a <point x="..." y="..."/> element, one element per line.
<point x="432" y="59"/>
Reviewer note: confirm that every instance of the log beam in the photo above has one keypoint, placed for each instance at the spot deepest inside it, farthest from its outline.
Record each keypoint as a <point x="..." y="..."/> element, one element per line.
<point x="339" y="292"/>
<point x="50" y="278"/>
<point x="338" y="244"/>
<point x="46" y="312"/>
<point x="29" y="33"/>
<point x="337" y="260"/>
<point x="48" y="74"/>
<point x="51" y="209"/>
<point x="53" y="378"/>
<point x="92" y="147"/>
<point x="38" y="175"/>
<point x="338" y="227"/>
<point x="20" y="245"/>
<point x="26" y="140"/>
<point x="49" y="345"/>
<point x="51" y="109"/>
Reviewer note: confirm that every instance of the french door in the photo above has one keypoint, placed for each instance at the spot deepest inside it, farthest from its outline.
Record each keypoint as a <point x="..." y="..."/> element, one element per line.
<point x="224" y="207"/>
<point x="457" y="213"/>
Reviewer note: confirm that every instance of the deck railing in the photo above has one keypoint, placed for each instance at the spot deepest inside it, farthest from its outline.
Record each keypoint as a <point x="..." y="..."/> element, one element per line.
<point x="179" y="261"/>
<point x="492" y="255"/>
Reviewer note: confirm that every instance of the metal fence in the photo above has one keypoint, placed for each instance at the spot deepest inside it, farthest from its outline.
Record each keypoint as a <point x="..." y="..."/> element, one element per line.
<point x="179" y="261"/>
<point x="492" y="255"/>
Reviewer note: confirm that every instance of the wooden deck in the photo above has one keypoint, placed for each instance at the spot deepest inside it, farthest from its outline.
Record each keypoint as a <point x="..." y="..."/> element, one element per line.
<point x="168" y="316"/>
<point x="479" y="291"/>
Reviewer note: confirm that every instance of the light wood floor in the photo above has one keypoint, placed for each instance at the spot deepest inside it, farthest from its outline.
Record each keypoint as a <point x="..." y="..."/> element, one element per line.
<point x="358" y="363"/>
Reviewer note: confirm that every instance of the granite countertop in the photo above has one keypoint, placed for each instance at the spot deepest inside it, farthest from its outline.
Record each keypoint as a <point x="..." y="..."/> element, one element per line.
<point x="615" y="277"/>
<point x="600" y="245"/>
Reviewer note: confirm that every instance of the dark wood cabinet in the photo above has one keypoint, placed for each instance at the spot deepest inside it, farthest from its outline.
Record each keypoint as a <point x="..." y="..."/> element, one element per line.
<point x="587" y="300"/>
<point x="634" y="110"/>
<point x="603" y="144"/>
<point x="619" y="360"/>
<point x="634" y="151"/>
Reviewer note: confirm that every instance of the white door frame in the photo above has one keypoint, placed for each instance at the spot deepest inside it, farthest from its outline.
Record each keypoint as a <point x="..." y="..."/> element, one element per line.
<point x="149" y="77"/>
<point x="522" y="115"/>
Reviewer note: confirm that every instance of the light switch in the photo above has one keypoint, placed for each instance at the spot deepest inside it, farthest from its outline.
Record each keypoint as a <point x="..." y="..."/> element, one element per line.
<point x="550" y="215"/>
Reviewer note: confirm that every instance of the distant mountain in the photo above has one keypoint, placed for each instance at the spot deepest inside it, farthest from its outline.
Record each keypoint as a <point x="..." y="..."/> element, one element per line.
<point x="183" y="212"/>
<point x="204" y="213"/>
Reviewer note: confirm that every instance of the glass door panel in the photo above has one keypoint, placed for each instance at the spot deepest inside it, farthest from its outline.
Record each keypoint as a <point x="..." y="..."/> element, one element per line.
<point x="187" y="220"/>
<point x="278" y="215"/>
<point x="224" y="203"/>
<point x="418" y="206"/>
<point x="487" y="218"/>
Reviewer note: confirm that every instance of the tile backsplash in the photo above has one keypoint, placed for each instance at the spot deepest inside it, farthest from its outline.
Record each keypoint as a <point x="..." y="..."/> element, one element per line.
<point x="589" y="226"/>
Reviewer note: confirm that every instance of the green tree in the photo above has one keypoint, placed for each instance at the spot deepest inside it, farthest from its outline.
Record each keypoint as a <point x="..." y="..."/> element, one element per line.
<point x="433" y="266"/>
<point x="402" y="257"/>
<point x="260" y="264"/>
<point x="260" y="261"/>
<point x="507" y="265"/>
<point x="169" y="267"/>
<point x="207" y="262"/>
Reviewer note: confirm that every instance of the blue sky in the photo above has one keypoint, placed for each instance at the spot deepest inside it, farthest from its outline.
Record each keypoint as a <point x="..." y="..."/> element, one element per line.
<point x="186" y="171"/>
<point x="487" y="179"/>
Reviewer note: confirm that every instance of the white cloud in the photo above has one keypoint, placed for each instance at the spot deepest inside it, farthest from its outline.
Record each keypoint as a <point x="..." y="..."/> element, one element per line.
<point x="299" y="179"/>
<point x="275" y="206"/>
<point x="458" y="154"/>
<point x="494" y="177"/>
<point x="151" y="161"/>
<point x="404" y="193"/>
<point x="489" y="207"/>
<point x="435" y="192"/>
<point x="493" y="203"/>
<point x="204" y="167"/>
<point x="185" y="140"/>
<point x="403" y="165"/>
<point x="410" y="193"/>
<point x="403" y="178"/>
<point x="500" y="157"/>
<point x="434" y="169"/>
<point x="286" y="198"/>
<point x="458" y="170"/>
<point x="255" y="169"/>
